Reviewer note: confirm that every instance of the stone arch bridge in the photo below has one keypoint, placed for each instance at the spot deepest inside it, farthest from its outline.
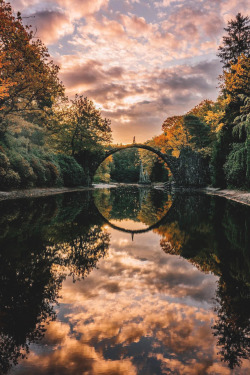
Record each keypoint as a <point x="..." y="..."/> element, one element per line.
<point x="188" y="170"/>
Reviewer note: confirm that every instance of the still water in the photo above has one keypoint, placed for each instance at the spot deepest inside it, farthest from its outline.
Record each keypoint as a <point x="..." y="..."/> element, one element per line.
<point x="124" y="281"/>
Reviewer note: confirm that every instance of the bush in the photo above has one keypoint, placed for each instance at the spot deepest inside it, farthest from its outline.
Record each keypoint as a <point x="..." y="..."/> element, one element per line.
<point x="8" y="178"/>
<point x="236" y="165"/>
<point x="23" y="168"/>
<point x="71" y="172"/>
<point x="4" y="161"/>
<point x="218" y="159"/>
<point x="52" y="173"/>
<point x="248" y="158"/>
<point x="39" y="171"/>
<point x="12" y="180"/>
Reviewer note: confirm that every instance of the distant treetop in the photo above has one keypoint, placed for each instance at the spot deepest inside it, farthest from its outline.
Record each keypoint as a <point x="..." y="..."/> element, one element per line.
<point x="236" y="42"/>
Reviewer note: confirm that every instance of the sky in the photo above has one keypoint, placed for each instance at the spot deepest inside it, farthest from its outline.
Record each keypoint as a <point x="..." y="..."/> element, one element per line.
<point x="140" y="61"/>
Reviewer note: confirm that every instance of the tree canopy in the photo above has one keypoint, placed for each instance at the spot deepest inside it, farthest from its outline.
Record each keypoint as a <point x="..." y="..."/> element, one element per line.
<point x="78" y="125"/>
<point x="236" y="42"/>
<point x="29" y="78"/>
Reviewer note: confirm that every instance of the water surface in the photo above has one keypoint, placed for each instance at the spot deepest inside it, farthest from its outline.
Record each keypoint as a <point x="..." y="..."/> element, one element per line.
<point x="124" y="281"/>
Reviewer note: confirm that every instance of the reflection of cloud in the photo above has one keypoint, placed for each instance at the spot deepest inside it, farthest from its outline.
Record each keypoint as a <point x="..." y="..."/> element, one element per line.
<point x="140" y="305"/>
<point x="75" y="357"/>
<point x="56" y="332"/>
<point x="128" y="224"/>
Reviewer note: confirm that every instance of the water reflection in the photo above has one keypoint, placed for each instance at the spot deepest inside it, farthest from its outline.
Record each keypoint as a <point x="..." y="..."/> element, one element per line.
<point x="218" y="241"/>
<point x="150" y="305"/>
<point x="41" y="242"/>
<point x="131" y="209"/>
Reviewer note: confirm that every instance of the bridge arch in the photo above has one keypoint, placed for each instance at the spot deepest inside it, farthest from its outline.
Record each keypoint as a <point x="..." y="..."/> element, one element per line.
<point x="171" y="161"/>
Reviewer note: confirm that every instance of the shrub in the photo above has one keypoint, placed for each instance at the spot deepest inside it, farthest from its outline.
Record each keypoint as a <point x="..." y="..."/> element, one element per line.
<point x="39" y="171"/>
<point x="71" y="172"/>
<point x="236" y="165"/>
<point x="218" y="159"/>
<point x="4" y="161"/>
<point x="52" y="173"/>
<point x="12" y="180"/>
<point x="23" y="168"/>
<point x="8" y="178"/>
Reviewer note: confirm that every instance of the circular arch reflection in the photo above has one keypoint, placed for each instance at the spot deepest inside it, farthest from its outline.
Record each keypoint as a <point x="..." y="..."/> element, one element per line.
<point x="140" y="204"/>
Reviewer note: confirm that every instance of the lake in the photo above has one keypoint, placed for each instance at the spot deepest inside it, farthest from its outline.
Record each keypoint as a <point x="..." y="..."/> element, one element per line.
<point x="124" y="280"/>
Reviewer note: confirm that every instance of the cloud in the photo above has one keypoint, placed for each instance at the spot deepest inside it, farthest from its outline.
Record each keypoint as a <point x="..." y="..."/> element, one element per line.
<point x="94" y="79"/>
<point x="81" y="8"/>
<point x="138" y="67"/>
<point x="136" y="26"/>
<point x="140" y="99"/>
<point x="76" y="8"/>
<point x="51" y="26"/>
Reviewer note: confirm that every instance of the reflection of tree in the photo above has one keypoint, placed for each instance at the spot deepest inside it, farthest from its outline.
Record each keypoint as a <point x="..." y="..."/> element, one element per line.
<point x="81" y="254"/>
<point x="130" y="202"/>
<point x="42" y="241"/>
<point x="125" y="204"/>
<point x="214" y="235"/>
<point x="156" y="204"/>
<point x="27" y="289"/>
<point x="232" y="327"/>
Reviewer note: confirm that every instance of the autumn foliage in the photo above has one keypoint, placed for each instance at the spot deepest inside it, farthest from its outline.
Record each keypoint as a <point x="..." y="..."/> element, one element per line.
<point x="29" y="78"/>
<point x="41" y="131"/>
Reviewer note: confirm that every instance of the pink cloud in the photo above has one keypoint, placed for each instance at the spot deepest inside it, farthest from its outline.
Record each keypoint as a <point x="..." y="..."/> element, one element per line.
<point x="137" y="67"/>
<point x="82" y="8"/>
<point x="51" y="26"/>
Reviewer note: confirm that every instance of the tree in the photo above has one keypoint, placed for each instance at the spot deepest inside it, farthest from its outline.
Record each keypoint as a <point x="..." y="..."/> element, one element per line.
<point x="237" y="79"/>
<point x="231" y="152"/>
<point x="213" y="117"/>
<point x="31" y="77"/>
<point x="156" y="168"/>
<point x="236" y="42"/>
<point x="103" y="171"/>
<point x="176" y="136"/>
<point x="78" y="127"/>
<point x="125" y="166"/>
<point x="202" y="109"/>
<point x="198" y="132"/>
<point x="5" y="83"/>
<point x="189" y="130"/>
<point x="230" y="159"/>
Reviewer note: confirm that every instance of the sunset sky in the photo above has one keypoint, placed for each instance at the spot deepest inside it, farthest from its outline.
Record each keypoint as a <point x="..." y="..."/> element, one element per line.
<point x="140" y="61"/>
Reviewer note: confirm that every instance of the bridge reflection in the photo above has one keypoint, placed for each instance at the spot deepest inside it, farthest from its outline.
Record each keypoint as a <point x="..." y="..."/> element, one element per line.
<point x="140" y="206"/>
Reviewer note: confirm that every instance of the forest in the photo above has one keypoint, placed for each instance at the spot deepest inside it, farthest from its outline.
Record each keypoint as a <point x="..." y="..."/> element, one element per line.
<point x="48" y="139"/>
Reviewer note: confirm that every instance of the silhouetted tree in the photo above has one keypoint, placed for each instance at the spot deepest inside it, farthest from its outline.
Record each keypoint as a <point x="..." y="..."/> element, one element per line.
<point x="237" y="41"/>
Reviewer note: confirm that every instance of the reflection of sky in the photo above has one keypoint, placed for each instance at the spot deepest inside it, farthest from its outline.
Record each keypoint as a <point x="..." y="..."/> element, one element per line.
<point x="141" y="312"/>
<point x="128" y="224"/>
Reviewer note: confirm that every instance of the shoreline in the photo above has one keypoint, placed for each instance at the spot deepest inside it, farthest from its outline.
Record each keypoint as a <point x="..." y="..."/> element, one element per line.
<point x="239" y="196"/>
<point x="242" y="197"/>
<point x="40" y="192"/>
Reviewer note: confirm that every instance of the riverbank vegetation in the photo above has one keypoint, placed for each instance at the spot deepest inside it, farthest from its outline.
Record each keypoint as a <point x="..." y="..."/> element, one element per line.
<point x="47" y="139"/>
<point x="219" y="131"/>
<point x="41" y="130"/>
